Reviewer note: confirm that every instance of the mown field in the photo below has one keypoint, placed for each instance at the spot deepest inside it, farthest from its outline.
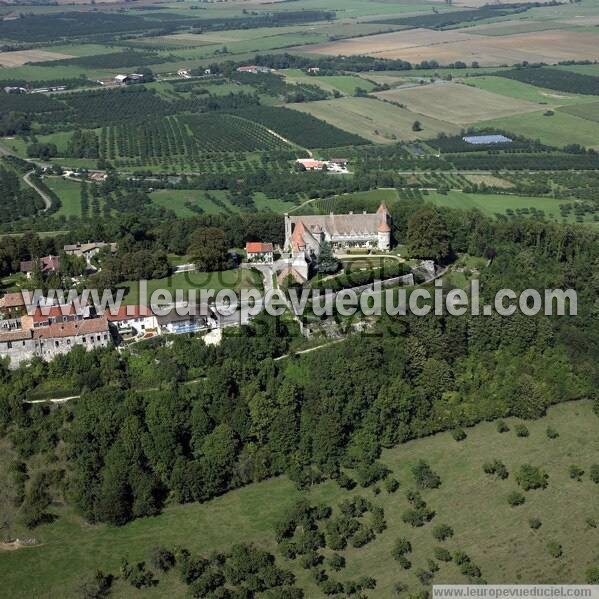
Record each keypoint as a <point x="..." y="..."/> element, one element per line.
<point x="497" y="537"/>
<point x="497" y="204"/>
<point x="560" y="129"/>
<point x="375" y="120"/>
<point x="188" y="202"/>
<point x="524" y="91"/>
<point x="456" y="103"/>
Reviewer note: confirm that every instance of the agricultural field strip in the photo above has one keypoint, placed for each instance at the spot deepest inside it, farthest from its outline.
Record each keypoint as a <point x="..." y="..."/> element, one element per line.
<point x="418" y="45"/>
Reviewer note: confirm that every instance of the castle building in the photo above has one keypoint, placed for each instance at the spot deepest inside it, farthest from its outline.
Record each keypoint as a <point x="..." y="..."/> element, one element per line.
<point x="305" y="234"/>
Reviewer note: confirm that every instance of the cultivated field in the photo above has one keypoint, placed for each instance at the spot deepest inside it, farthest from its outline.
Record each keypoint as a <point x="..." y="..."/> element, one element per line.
<point x="418" y="45"/>
<point x="21" y="57"/>
<point x="496" y="536"/>
<point x="497" y="204"/>
<point x="457" y="103"/>
<point x="375" y="120"/>
<point x="525" y="91"/>
<point x="559" y="129"/>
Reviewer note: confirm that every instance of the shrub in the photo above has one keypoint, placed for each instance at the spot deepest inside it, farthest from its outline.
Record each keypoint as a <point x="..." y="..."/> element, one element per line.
<point x="391" y="485"/>
<point x="424" y="576"/>
<point x="496" y="468"/>
<point x="424" y="476"/>
<point x="399" y="588"/>
<point x="362" y="537"/>
<point x="459" y="557"/>
<point x="515" y="498"/>
<point x="592" y="575"/>
<point x="471" y="570"/>
<point x="530" y="477"/>
<point x="336" y="562"/>
<point x="594" y="473"/>
<point x="162" y="559"/>
<point x="591" y="522"/>
<point x="378" y="519"/>
<point x="554" y="549"/>
<point x="502" y="427"/>
<point x="459" y="434"/>
<point x="442" y="532"/>
<point x="442" y="554"/>
<point x="521" y="430"/>
<point x="401" y="547"/>
<point x="551" y="433"/>
<point x="345" y="482"/>
<point x="404" y="562"/>
<point x="576" y="472"/>
<point x="534" y="523"/>
<point x="417" y="517"/>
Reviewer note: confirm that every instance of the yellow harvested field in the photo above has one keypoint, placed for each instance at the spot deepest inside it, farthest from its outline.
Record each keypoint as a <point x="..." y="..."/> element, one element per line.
<point x="417" y="45"/>
<point x="375" y="120"/>
<point x="21" y="57"/>
<point x="457" y="103"/>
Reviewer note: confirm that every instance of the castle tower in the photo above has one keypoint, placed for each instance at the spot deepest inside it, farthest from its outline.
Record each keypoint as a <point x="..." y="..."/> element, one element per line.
<point x="384" y="236"/>
<point x="384" y="230"/>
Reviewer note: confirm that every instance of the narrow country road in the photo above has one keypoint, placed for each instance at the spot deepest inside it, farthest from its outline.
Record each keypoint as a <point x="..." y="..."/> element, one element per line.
<point x="42" y="194"/>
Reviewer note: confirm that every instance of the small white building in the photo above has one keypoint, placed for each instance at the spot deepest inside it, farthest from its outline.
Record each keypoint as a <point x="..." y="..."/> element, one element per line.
<point x="259" y="252"/>
<point x="184" y="74"/>
<point x="133" y="320"/>
<point x="121" y="79"/>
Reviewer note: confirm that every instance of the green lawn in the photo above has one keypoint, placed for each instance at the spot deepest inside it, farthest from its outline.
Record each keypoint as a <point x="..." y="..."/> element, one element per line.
<point x="346" y="84"/>
<point x="493" y="204"/>
<point x="228" y="279"/>
<point x="589" y="112"/>
<point x="496" y="536"/>
<point x="69" y="193"/>
<point x="558" y="130"/>
<point x="524" y="91"/>
<point x="375" y="120"/>
<point x="180" y="201"/>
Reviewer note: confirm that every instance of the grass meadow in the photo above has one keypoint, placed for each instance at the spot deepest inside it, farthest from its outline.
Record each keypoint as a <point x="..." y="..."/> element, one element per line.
<point x="375" y="120"/>
<point x="496" y="536"/>
<point x="560" y="129"/>
<point x="229" y="279"/>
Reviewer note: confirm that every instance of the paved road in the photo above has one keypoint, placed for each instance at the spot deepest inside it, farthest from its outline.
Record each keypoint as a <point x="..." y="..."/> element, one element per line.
<point x="47" y="199"/>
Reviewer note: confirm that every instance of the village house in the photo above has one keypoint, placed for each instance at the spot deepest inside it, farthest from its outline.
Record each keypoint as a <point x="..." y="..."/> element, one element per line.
<point x="12" y="305"/>
<point x="176" y="324"/>
<point x="44" y="317"/>
<point x="259" y="252"/>
<point x="60" y="338"/>
<point x="47" y="265"/>
<point x="132" y="321"/>
<point x="47" y="342"/>
<point x="88" y="250"/>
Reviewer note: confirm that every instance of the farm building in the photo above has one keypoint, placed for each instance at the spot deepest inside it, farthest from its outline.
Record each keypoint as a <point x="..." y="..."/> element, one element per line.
<point x="483" y="140"/>
<point x="310" y="164"/>
<point x="259" y="252"/>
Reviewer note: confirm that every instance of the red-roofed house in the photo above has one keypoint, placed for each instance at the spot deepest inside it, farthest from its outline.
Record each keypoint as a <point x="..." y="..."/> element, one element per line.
<point x="44" y="317"/>
<point x="259" y="252"/>
<point x="133" y="320"/>
<point x="47" y="264"/>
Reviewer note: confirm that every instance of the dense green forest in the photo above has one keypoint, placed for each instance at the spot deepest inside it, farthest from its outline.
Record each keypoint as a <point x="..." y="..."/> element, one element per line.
<point x="251" y="418"/>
